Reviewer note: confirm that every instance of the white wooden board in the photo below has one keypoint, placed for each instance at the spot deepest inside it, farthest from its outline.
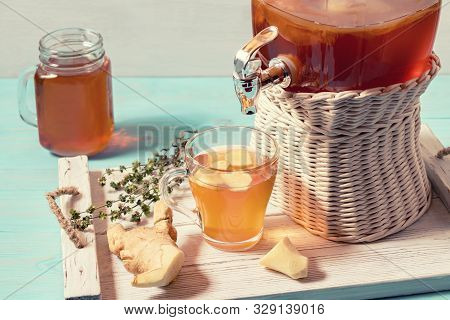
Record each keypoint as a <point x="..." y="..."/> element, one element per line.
<point x="409" y="259"/>
<point x="438" y="170"/>
<point x="81" y="280"/>
<point x="416" y="260"/>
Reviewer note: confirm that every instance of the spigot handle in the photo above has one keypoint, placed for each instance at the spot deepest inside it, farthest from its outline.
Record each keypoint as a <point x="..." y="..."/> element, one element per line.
<point x="248" y="76"/>
<point x="244" y="65"/>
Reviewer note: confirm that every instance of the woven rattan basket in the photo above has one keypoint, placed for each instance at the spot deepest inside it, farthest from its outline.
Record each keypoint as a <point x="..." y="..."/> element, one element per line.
<point x="350" y="165"/>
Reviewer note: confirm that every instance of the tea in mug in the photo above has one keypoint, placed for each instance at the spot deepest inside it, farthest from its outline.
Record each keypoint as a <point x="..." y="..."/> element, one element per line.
<point x="74" y="110"/>
<point x="231" y="187"/>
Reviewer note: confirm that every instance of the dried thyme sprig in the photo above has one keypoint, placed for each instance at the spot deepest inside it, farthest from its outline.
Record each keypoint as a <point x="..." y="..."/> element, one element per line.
<point x="139" y="186"/>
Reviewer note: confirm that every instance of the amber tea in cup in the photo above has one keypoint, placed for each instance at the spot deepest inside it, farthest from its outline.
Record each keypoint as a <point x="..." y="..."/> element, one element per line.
<point x="231" y="183"/>
<point x="73" y="93"/>
<point x="232" y="200"/>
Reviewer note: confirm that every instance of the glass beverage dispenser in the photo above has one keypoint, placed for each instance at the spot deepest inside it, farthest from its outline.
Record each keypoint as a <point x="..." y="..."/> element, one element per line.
<point x="334" y="45"/>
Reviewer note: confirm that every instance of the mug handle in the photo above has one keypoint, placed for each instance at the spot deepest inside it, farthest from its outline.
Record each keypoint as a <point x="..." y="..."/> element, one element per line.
<point x="25" y="112"/>
<point x="164" y="188"/>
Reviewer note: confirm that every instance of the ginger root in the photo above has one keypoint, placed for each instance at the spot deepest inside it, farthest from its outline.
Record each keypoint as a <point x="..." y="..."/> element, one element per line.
<point x="151" y="254"/>
<point x="285" y="258"/>
<point x="239" y="158"/>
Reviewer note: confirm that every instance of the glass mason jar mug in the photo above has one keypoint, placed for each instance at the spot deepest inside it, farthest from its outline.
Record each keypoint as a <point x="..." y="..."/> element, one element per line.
<point x="231" y="181"/>
<point x="73" y="93"/>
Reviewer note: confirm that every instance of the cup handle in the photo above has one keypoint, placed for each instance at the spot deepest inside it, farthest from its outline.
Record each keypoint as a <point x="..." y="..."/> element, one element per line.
<point x="165" y="186"/>
<point x="25" y="112"/>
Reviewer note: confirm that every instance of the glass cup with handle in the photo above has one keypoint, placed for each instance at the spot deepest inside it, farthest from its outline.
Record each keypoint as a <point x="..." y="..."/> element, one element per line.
<point x="231" y="181"/>
<point x="73" y="93"/>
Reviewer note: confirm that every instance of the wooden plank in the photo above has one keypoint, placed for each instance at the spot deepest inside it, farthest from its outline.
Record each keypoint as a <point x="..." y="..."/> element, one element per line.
<point x="81" y="279"/>
<point x="412" y="261"/>
<point x="438" y="170"/>
<point x="189" y="38"/>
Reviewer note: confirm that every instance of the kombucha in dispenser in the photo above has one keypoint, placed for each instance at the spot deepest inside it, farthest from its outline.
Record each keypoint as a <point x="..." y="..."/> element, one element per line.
<point x="338" y="83"/>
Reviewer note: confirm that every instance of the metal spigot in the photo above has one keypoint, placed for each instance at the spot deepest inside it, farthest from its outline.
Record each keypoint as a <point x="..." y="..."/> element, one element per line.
<point x="248" y="76"/>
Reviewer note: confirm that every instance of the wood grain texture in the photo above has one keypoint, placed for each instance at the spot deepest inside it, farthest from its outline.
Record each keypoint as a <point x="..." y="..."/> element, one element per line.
<point x="80" y="269"/>
<point x="408" y="262"/>
<point x="438" y="170"/>
<point x="30" y="249"/>
<point x="153" y="38"/>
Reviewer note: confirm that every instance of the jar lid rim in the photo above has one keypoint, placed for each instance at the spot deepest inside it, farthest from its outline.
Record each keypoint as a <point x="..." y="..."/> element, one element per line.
<point x="93" y="41"/>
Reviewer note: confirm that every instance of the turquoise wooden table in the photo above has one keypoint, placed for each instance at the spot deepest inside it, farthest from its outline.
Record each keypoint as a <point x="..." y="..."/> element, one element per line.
<point x="30" y="252"/>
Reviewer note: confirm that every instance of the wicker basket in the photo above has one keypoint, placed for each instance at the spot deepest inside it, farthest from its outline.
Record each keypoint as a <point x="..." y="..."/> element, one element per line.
<point x="350" y="165"/>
